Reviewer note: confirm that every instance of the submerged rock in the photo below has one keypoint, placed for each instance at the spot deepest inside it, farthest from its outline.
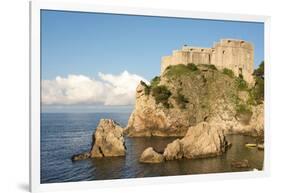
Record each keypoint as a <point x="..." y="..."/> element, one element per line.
<point x="151" y="156"/>
<point x="81" y="156"/>
<point x="202" y="140"/>
<point x="240" y="164"/>
<point x="108" y="140"/>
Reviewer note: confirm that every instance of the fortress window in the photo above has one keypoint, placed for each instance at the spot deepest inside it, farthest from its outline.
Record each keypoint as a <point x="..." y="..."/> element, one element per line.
<point x="191" y="50"/>
<point x="223" y="52"/>
<point x="228" y="41"/>
<point x="202" y="50"/>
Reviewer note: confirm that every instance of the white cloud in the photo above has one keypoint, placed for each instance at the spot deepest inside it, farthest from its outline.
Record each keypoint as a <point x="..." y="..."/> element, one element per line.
<point x="80" y="89"/>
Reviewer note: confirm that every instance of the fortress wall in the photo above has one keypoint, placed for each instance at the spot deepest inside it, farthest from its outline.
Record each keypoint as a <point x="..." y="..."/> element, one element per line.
<point x="198" y="55"/>
<point x="213" y="56"/>
<point x="246" y="63"/>
<point x="200" y="58"/>
<point x="179" y="57"/>
<point x="218" y="56"/>
<point x="236" y="55"/>
<point x="165" y="62"/>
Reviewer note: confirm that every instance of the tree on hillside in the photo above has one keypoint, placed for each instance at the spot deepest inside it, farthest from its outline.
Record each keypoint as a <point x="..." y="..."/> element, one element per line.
<point x="258" y="89"/>
<point x="259" y="72"/>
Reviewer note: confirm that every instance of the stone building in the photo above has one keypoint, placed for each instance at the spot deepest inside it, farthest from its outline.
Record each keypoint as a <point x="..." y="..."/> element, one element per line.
<point x="237" y="55"/>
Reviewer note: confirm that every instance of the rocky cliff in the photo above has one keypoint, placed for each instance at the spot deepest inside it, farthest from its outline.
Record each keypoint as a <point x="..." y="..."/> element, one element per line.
<point x="184" y="96"/>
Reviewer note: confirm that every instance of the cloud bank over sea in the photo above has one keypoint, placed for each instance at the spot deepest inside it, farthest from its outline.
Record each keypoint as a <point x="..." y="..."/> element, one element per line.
<point x="106" y="89"/>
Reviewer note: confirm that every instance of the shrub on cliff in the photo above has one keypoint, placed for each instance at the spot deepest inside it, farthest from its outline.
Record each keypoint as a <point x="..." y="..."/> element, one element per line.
<point x="259" y="72"/>
<point x="192" y="67"/>
<point x="181" y="100"/>
<point x="228" y="72"/>
<point x="258" y="89"/>
<point x="181" y="69"/>
<point x="146" y="88"/>
<point x="241" y="83"/>
<point x="243" y="109"/>
<point x="161" y="95"/>
<point x="211" y="66"/>
<point x="155" y="81"/>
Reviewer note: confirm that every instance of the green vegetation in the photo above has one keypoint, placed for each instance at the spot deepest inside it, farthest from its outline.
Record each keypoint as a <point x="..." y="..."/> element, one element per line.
<point x="211" y="66"/>
<point x="181" y="69"/>
<point x="228" y="72"/>
<point x="155" y="81"/>
<point x="146" y="88"/>
<point x="258" y="89"/>
<point x="241" y="84"/>
<point x="243" y="109"/>
<point x="259" y="72"/>
<point x="161" y="95"/>
<point x="192" y="66"/>
<point x="181" y="100"/>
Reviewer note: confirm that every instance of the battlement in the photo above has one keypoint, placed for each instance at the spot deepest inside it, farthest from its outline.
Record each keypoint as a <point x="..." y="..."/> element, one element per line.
<point x="234" y="43"/>
<point x="237" y="55"/>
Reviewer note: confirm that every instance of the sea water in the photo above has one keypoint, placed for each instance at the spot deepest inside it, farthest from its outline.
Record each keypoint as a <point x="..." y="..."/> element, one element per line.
<point x="66" y="134"/>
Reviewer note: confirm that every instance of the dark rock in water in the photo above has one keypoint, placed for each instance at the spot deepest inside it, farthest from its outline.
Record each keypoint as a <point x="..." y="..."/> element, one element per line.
<point x="151" y="156"/>
<point x="81" y="156"/>
<point x="240" y="164"/>
<point x="229" y="145"/>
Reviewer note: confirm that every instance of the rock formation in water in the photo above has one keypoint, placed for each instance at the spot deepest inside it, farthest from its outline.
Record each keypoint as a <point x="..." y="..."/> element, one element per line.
<point x="202" y="140"/>
<point x="151" y="156"/>
<point x="186" y="95"/>
<point x="108" y="140"/>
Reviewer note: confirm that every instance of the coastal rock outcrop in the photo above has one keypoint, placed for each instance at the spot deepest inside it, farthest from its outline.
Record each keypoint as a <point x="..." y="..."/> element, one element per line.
<point x="108" y="140"/>
<point x="202" y="140"/>
<point x="184" y="96"/>
<point x="151" y="156"/>
<point x="247" y="123"/>
<point x="173" y="150"/>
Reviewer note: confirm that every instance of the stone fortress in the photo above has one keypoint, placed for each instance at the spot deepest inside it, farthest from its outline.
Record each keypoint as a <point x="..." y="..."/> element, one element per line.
<point x="237" y="55"/>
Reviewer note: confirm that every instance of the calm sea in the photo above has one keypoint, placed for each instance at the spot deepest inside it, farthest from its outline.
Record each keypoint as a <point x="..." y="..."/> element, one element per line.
<point x="65" y="134"/>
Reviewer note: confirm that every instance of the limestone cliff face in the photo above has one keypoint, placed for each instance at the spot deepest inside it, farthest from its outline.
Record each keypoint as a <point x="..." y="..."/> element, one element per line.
<point x="186" y="95"/>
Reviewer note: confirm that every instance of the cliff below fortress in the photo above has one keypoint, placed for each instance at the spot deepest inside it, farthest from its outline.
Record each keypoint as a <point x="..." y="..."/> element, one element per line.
<point x="186" y="95"/>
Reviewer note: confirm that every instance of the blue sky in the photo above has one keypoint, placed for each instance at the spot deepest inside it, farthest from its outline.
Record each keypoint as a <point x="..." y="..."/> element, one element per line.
<point x="88" y="43"/>
<point x="93" y="62"/>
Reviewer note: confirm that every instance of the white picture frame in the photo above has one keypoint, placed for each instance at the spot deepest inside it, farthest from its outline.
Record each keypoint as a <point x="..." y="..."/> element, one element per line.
<point x="35" y="106"/>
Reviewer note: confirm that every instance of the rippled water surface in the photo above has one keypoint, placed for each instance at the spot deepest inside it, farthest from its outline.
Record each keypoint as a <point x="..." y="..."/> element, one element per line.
<point x="65" y="134"/>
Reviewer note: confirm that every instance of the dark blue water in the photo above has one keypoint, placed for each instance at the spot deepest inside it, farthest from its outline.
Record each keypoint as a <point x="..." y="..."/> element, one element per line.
<point x="65" y="134"/>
